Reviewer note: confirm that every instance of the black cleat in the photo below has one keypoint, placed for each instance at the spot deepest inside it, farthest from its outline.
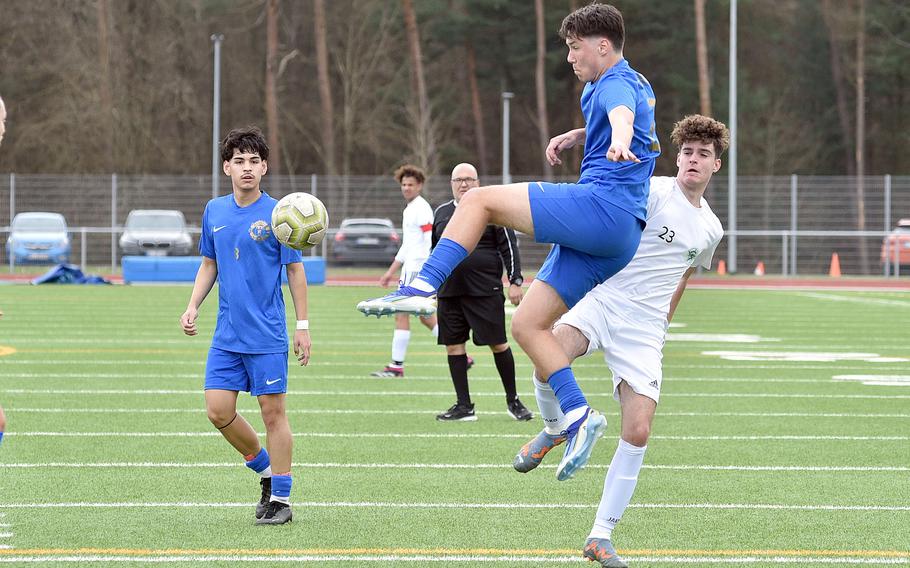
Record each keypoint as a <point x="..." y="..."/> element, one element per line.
<point x="519" y="411"/>
<point x="277" y="513"/>
<point x="263" y="504"/>
<point x="462" y="412"/>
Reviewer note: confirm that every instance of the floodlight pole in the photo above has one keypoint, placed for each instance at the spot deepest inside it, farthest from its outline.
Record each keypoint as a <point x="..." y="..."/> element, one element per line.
<point x="731" y="161"/>
<point x="216" y="113"/>
<point x="506" y="176"/>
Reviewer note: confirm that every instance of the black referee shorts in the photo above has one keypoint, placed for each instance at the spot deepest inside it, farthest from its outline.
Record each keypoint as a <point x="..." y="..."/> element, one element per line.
<point x="458" y="315"/>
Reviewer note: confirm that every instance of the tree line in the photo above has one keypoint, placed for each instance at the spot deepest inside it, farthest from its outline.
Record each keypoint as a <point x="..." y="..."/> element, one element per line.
<point x="360" y="86"/>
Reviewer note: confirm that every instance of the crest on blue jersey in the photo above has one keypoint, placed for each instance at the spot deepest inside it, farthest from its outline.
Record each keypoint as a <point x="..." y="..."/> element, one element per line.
<point x="260" y="231"/>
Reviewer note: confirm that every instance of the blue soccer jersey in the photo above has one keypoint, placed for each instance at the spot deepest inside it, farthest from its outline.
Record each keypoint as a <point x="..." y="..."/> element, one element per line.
<point x="620" y="86"/>
<point x="251" y="317"/>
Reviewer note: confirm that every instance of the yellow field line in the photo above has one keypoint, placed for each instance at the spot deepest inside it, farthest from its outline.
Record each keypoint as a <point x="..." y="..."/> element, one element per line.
<point x="6" y="350"/>
<point x="901" y="554"/>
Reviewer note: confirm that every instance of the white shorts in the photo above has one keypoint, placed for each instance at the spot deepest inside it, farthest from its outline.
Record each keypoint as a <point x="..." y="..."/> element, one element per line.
<point x="633" y="350"/>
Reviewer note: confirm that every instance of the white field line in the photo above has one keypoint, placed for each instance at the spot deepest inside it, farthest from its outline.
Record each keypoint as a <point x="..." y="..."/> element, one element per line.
<point x="520" y="362"/>
<point x="385" y="436"/>
<point x="334" y="377"/>
<point x="448" y="393"/>
<point x="857" y="300"/>
<point x="524" y="560"/>
<point x="445" y="505"/>
<point x="450" y="466"/>
<point x="350" y="411"/>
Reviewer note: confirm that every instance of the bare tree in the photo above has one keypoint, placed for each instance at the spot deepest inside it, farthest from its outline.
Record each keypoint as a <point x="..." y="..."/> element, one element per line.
<point x="325" y="89"/>
<point x="480" y="137"/>
<point x="271" y="94"/>
<point x="543" y="126"/>
<point x="861" y="132"/>
<point x="104" y="85"/>
<point x="701" y="53"/>
<point x="425" y="143"/>
<point x="840" y="85"/>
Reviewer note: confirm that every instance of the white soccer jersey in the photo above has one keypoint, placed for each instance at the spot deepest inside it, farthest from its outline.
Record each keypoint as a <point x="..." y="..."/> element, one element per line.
<point x="626" y="316"/>
<point x="677" y="237"/>
<point x="417" y="234"/>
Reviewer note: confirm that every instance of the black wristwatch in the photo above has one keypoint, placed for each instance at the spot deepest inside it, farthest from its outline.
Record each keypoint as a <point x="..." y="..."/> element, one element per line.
<point x="517" y="281"/>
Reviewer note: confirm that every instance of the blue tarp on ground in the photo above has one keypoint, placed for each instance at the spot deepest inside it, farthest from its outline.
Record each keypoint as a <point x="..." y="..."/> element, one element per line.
<point x="68" y="274"/>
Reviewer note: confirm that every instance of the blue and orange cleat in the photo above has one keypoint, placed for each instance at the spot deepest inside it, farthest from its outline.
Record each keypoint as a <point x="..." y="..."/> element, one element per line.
<point x="581" y="435"/>
<point x="531" y="454"/>
<point x="601" y="550"/>
<point x="405" y="300"/>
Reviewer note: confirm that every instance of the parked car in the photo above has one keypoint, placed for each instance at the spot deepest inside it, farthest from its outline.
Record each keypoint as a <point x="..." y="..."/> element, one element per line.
<point x="38" y="237"/>
<point x="366" y="241"/>
<point x="155" y="232"/>
<point x="897" y="244"/>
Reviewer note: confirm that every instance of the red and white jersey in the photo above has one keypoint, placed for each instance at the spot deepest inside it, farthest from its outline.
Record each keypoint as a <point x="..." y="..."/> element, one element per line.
<point x="417" y="234"/>
<point x="678" y="236"/>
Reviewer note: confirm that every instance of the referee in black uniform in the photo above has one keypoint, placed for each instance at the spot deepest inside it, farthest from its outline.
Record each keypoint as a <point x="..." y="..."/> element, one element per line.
<point x="471" y="300"/>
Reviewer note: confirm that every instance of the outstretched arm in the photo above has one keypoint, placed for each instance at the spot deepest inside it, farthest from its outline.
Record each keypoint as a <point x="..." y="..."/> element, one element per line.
<point x="562" y="142"/>
<point x="205" y="279"/>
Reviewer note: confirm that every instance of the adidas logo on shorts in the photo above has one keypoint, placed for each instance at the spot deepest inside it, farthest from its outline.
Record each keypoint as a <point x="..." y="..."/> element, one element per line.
<point x="654" y="384"/>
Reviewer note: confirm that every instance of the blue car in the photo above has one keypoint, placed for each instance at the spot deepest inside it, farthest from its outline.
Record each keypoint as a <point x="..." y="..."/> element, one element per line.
<point x="38" y="238"/>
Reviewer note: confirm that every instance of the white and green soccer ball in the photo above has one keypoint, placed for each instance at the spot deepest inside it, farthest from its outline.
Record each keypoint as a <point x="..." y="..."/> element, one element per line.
<point x="299" y="221"/>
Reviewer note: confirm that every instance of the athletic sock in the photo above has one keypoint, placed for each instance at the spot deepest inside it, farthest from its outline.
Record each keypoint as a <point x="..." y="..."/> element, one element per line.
<point x="446" y="255"/>
<point x="618" y="488"/>
<point x="281" y="487"/>
<point x="505" y="365"/>
<point x="567" y="392"/>
<point x="553" y="418"/>
<point x="1" y="437"/>
<point x="400" y="340"/>
<point x="259" y="463"/>
<point x="458" y="368"/>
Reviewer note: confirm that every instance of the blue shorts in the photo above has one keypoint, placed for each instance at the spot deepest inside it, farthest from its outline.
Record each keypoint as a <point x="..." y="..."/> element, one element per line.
<point x="257" y="373"/>
<point x="593" y="238"/>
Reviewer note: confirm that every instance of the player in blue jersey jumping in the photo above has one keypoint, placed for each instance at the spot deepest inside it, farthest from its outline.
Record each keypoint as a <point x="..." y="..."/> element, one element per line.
<point x="595" y="224"/>
<point x="249" y="349"/>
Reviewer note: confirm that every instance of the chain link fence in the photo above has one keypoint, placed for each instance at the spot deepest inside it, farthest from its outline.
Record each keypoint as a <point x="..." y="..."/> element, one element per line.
<point x="791" y="224"/>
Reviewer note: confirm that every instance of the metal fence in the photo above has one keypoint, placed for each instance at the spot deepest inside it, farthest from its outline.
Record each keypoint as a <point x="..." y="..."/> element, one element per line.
<point x="792" y="224"/>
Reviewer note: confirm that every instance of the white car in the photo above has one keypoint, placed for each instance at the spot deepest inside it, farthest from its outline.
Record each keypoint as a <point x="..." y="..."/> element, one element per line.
<point x="156" y="232"/>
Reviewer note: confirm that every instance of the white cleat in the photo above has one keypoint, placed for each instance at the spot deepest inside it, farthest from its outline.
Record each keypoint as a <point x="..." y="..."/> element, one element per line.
<point x="396" y="303"/>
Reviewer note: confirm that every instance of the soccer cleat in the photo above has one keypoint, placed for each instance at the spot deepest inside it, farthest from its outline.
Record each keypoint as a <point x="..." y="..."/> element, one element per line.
<point x="405" y="300"/>
<point x="277" y="513"/>
<point x="389" y="371"/>
<point x="581" y="435"/>
<point x="531" y="454"/>
<point x="519" y="411"/>
<point x="458" y="412"/>
<point x="262" y="505"/>
<point x="601" y="550"/>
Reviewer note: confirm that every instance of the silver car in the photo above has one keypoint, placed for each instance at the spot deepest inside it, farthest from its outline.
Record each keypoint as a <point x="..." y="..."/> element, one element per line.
<point x="156" y="232"/>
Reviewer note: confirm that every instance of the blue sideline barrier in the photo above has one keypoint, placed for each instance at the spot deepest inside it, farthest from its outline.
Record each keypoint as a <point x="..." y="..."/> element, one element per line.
<point x="184" y="268"/>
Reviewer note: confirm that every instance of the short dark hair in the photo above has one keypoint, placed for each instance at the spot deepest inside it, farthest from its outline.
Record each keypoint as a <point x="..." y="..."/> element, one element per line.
<point x="410" y="170"/>
<point x="595" y="20"/>
<point x="704" y="129"/>
<point x="249" y="139"/>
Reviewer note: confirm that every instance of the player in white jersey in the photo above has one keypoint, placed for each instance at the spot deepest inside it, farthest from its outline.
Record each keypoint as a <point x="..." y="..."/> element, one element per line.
<point x="417" y="234"/>
<point x="627" y="317"/>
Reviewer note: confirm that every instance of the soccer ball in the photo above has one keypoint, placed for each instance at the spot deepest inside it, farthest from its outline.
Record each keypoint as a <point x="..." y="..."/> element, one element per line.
<point x="299" y="221"/>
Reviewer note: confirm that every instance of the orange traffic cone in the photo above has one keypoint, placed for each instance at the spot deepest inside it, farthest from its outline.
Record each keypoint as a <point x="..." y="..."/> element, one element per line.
<point x="759" y="269"/>
<point x="721" y="268"/>
<point x="834" y="271"/>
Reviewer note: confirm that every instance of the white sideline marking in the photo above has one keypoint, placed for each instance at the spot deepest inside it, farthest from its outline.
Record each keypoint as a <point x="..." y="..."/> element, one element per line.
<point x="424" y="412"/>
<point x="876" y="380"/>
<point x="793" y="438"/>
<point x="523" y="560"/>
<point x="719" y="338"/>
<point x="860" y="300"/>
<point x="798" y="356"/>
<point x="336" y="465"/>
<point x="444" y="505"/>
<point x="6" y="535"/>
<point x="195" y="392"/>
